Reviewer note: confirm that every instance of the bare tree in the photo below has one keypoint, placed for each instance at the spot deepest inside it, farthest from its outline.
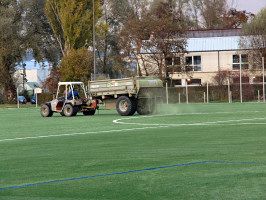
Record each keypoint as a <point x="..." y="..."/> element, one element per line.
<point x="157" y="35"/>
<point x="254" y="39"/>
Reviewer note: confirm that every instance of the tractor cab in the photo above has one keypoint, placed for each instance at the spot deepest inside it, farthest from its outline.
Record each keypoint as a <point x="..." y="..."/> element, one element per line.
<point x="68" y="93"/>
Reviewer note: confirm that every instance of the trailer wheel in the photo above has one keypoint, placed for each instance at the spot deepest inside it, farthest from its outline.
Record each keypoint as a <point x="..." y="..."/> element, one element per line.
<point x="126" y="106"/>
<point x="46" y="111"/>
<point x="146" y="106"/>
<point x="69" y="110"/>
<point x="89" y="112"/>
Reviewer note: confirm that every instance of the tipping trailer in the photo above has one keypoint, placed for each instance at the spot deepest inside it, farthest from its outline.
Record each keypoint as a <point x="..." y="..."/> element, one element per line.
<point x="128" y="95"/>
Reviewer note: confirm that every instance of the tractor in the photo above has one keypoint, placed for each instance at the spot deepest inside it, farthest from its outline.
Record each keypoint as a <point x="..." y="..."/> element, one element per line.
<point x="71" y="98"/>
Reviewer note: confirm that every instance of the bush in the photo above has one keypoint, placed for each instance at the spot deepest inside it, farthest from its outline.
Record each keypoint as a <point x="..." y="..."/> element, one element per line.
<point x="77" y="65"/>
<point x="44" y="97"/>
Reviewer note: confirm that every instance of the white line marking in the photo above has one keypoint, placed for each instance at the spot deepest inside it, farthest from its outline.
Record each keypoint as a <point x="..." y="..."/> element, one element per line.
<point x="85" y="133"/>
<point x="253" y="123"/>
<point x="151" y="126"/>
<point x="118" y="121"/>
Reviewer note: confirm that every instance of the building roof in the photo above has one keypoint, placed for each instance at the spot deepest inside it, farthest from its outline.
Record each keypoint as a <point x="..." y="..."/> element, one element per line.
<point x="208" y="40"/>
<point x="213" y="33"/>
<point x="213" y="44"/>
<point x="33" y="85"/>
<point x="201" y="44"/>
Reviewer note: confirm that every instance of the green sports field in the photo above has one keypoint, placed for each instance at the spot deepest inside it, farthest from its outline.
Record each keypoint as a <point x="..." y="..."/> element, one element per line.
<point x="194" y="151"/>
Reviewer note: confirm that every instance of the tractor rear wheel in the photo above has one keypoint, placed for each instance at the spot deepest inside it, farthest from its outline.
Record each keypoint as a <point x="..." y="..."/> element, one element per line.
<point x="69" y="110"/>
<point x="126" y="106"/>
<point x="46" y="111"/>
<point x="146" y="106"/>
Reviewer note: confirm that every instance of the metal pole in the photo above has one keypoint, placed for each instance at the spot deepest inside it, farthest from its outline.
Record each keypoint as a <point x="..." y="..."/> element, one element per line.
<point x="17" y="98"/>
<point x="263" y="77"/>
<point x="36" y="99"/>
<point x="229" y="91"/>
<point x="240" y="79"/>
<point x="207" y="92"/>
<point x="94" y="60"/>
<point x="186" y="92"/>
<point x="166" y="88"/>
<point x="179" y="98"/>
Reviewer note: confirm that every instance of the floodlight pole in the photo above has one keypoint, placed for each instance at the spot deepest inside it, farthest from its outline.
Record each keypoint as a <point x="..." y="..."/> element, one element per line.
<point x="94" y="60"/>
<point x="263" y="79"/>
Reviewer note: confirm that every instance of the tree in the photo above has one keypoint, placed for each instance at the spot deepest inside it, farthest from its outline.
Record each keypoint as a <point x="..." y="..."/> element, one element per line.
<point x="72" y="22"/>
<point x="51" y="82"/>
<point x="216" y="14"/>
<point x="39" y="36"/>
<point x="11" y="44"/>
<point x="212" y="13"/>
<point x="77" y="65"/>
<point x="160" y="34"/>
<point x="254" y="39"/>
<point x="235" y="19"/>
<point x="115" y="15"/>
<point x="222" y="77"/>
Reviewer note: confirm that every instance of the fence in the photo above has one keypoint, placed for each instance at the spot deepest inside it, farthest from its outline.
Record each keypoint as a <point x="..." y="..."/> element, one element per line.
<point x="198" y="94"/>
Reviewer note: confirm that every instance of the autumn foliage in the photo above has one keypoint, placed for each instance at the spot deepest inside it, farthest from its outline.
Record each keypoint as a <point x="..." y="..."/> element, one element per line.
<point x="77" y="65"/>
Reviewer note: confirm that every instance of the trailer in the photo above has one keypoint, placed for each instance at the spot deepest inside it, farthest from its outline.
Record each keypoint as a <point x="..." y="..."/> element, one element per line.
<point x="128" y="95"/>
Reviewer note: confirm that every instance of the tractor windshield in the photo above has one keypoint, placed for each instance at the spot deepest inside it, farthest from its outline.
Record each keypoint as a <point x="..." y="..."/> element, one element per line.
<point x="70" y="90"/>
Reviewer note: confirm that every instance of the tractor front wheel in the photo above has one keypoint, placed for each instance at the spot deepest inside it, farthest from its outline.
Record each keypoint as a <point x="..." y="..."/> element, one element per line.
<point x="46" y="111"/>
<point x="69" y="110"/>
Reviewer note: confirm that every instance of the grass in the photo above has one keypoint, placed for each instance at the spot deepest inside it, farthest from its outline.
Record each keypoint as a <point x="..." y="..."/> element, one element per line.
<point x="182" y="134"/>
<point x="15" y="105"/>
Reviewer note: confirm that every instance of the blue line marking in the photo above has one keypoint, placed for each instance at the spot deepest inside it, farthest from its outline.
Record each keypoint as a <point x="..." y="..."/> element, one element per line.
<point x="132" y="171"/>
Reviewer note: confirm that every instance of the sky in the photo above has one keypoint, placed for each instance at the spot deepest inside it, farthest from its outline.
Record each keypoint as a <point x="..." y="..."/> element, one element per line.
<point x="253" y="6"/>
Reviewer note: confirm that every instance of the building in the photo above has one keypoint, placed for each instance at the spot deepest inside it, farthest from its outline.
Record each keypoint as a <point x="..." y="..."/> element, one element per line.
<point x="32" y="76"/>
<point x="209" y="52"/>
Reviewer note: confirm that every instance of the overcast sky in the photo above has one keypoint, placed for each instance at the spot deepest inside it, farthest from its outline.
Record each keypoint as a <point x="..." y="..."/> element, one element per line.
<point x="253" y="6"/>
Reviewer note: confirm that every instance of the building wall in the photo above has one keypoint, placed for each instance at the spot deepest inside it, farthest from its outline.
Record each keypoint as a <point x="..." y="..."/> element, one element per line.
<point x="32" y="75"/>
<point x="211" y="63"/>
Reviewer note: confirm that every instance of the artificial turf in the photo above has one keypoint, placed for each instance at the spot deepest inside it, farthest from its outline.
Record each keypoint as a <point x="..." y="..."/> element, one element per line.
<point x="59" y="157"/>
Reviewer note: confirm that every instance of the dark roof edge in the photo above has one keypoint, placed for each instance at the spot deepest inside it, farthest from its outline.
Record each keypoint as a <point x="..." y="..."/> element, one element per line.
<point x="213" y="33"/>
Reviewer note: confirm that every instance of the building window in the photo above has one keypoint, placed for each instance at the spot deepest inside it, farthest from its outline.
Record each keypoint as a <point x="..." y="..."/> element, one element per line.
<point x="193" y="63"/>
<point x="236" y="80"/>
<point x="168" y="61"/>
<point x="177" y="61"/>
<point x="173" y="64"/>
<point x="240" y="61"/>
<point x="194" y="81"/>
<point x="177" y="82"/>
